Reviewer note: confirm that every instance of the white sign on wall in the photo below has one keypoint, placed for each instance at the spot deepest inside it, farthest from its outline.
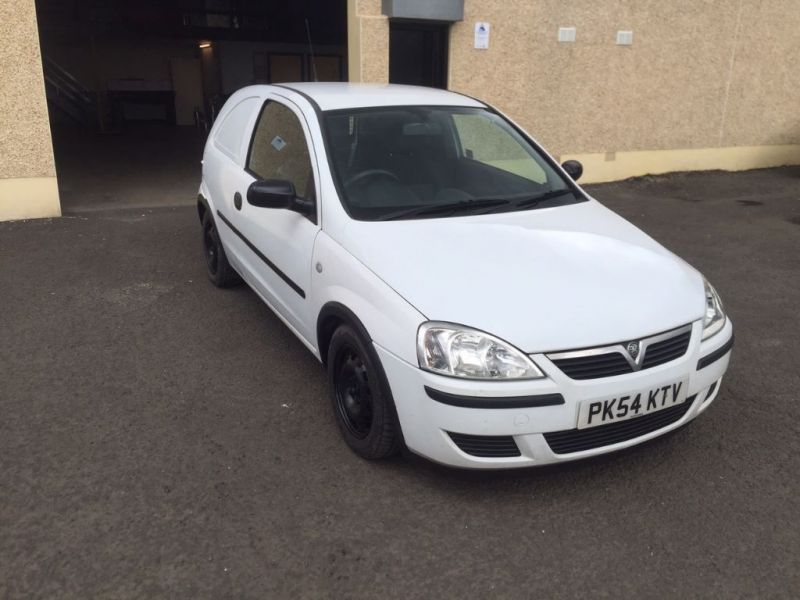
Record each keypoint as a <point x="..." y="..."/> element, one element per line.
<point x="482" y="35"/>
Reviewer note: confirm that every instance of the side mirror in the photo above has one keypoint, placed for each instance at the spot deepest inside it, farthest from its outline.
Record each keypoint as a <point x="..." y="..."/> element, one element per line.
<point x="276" y="193"/>
<point x="573" y="168"/>
<point x="271" y="193"/>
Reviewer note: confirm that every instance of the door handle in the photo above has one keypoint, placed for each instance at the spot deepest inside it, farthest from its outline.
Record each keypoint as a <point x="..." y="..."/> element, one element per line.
<point x="237" y="201"/>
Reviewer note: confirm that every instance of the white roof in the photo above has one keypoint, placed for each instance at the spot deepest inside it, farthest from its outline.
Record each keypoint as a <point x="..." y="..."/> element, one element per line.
<point x="334" y="96"/>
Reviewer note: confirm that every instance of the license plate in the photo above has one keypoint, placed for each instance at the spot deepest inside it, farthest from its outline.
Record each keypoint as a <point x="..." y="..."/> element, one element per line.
<point x="593" y="413"/>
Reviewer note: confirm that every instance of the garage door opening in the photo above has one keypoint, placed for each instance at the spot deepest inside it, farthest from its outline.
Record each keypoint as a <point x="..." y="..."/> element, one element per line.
<point x="132" y="87"/>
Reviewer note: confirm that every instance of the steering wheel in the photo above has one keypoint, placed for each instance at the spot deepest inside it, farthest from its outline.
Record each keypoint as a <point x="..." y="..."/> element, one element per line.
<point x="371" y="173"/>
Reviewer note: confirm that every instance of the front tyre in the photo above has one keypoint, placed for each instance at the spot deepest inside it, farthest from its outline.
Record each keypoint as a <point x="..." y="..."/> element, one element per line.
<point x="220" y="272"/>
<point x="361" y="400"/>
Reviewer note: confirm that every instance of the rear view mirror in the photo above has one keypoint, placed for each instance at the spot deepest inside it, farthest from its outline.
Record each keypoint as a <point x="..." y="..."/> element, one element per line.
<point x="271" y="193"/>
<point x="425" y="128"/>
<point x="277" y="193"/>
<point x="573" y="168"/>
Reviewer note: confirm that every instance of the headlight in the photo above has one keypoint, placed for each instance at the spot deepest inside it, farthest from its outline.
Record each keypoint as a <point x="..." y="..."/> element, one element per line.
<point x="463" y="352"/>
<point x="714" y="319"/>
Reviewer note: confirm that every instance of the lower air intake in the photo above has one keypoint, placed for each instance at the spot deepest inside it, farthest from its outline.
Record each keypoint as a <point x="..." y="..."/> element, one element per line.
<point x="486" y="446"/>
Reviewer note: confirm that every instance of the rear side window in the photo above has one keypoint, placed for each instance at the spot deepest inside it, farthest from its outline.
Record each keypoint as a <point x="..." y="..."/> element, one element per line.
<point x="231" y="132"/>
<point x="279" y="149"/>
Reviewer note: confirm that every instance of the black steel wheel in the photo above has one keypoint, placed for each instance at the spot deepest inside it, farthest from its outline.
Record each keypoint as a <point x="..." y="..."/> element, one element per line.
<point x="210" y="245"/>
<point x="353" y="396"/>
<point x="362" y="401"/>
<point x="220" y="272"/>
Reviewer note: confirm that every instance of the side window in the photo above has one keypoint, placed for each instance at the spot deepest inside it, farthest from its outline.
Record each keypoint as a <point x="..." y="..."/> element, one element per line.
<point x="279" y="150"/>
<point x="487" y="142"/>
<point x="230" y="134"/>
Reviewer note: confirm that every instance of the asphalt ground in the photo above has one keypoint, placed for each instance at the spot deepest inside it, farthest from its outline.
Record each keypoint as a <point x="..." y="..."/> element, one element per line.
<point x="161" y="438"/>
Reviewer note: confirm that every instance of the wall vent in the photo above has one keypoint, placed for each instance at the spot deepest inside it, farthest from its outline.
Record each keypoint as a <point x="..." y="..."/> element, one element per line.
<point x="624" y="38"/>
<point x="566" y="34"/>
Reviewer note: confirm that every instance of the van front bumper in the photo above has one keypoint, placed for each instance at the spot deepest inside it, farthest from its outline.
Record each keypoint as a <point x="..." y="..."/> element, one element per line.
<point x="446" y="419"/>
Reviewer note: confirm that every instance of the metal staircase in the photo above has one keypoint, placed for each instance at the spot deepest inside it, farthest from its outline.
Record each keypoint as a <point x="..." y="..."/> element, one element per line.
<point x="67" y="94"/>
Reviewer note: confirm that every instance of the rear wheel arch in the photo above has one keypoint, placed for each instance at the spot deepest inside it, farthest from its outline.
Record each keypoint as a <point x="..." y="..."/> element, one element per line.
<point x="219" y="270"/>
<point x="202" y="207"/>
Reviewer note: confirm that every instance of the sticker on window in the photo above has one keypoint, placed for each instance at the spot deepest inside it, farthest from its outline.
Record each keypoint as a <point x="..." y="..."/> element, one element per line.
<point x="278" y="143"/>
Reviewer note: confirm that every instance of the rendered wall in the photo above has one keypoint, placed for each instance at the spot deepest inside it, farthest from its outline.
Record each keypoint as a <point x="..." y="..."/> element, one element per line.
<point x="28" y="186"/>
<point x="706" y="84"/>
<point x="367" y="42"/>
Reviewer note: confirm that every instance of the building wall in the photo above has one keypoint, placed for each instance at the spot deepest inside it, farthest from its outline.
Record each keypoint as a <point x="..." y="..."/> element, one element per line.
<point x="707" y="84"/>
<point x="367" y="42"/>
<point x="28" y="185"/>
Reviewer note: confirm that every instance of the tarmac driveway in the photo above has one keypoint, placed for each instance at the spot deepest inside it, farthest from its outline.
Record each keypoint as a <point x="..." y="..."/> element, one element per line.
<point x="163" y="438"/>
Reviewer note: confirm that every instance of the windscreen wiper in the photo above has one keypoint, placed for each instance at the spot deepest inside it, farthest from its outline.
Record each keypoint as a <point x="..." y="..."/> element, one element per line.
<point x="448" y="207"/>
<point x="534" y="200"/>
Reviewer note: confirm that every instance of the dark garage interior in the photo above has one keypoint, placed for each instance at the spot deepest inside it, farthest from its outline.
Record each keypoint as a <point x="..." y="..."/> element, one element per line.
<point x="132" y="87"/>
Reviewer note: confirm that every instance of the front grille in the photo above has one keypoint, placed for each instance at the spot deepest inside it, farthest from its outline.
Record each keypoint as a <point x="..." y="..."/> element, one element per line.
<point x="487" y="446"/>
<point x="577" y="440"/>
<point x="611" y="360"/>
<point x="666" y="350"/>
<point x="591" y="367"/>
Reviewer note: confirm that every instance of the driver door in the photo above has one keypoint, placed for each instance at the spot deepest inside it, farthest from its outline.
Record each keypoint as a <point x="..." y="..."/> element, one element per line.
<point x="281" y="241"/>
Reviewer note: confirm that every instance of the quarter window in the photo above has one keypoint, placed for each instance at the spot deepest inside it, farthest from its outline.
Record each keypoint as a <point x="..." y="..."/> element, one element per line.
<point x="279" y="149"/>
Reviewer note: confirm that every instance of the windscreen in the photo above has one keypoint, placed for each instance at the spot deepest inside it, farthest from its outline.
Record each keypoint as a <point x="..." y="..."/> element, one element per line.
<point x="422" y="162"/>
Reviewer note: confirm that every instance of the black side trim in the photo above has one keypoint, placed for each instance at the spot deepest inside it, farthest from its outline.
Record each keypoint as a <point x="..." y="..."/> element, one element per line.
<point x="267" y="261"/>
<point x="495" y="402"/>
<point x="716" y="354"/>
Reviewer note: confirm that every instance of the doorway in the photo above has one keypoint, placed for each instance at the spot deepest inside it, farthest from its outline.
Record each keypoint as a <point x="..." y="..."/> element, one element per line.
<point x="418" y="53"/>
<point x="133" y="87"/>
